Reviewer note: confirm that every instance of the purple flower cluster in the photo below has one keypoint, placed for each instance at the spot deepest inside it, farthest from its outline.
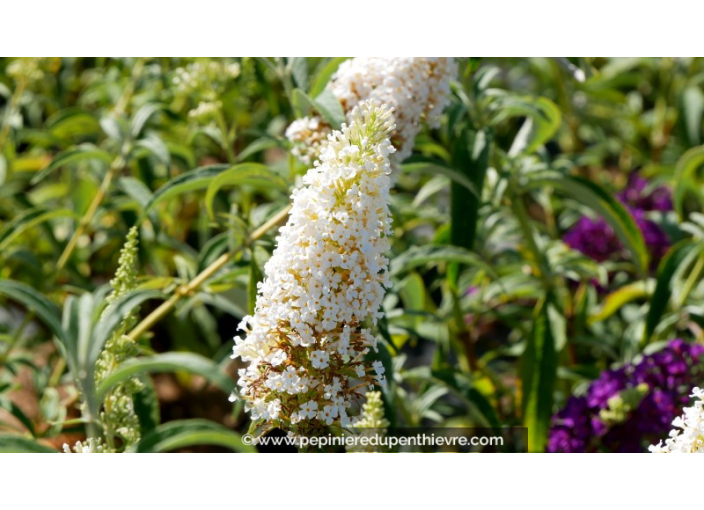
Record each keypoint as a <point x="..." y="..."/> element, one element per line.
<point x="635" y="196"/>
<point x="666" y="377"/>
<point x="596" y="239"/>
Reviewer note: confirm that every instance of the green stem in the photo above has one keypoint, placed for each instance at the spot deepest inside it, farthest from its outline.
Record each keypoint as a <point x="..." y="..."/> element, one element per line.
<point x="193" y="285"/>
<point x="127" y="94"/>
<point x="90" y="213"/>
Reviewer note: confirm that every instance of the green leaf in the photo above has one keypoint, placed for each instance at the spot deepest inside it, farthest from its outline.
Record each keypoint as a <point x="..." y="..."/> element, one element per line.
<point x="326" y="104"/>
<point x="693" y="111"/>
<point x="431" y="254"/>
<point x="113" y="128"/>
<point x="435" y="168"/>
<point x="330" y="108"/>
<point x="28" y="219"/>
<point x="483" y="77"/>
<point x="112" y="318"/>
<point x="258" y="145"/>
<point x="77" y="154"/>
<point x="558" y="326"/>
<point x="146" y="406"/>
<point x="543" y="120"/>
<point x="3" y="169"/>
<point x="167" y="362"/>
<point x="35" y="302"/>
<point x="605" y="205"/>
<point x="15" y="411"/>
<point x="470" y="157"/>
<point x="301" y="103"/>
<point x="663" y="289"/>
<point x="184" y="433"/>
<point x="613" y="302"/>
<point x="323" y="77"/>
<point x="78" y="319"/>
<point x="156" y="146"/>
<point x="462" y="386"/>
<point x="538" y="374"/>
<point x="412" y="292"/>
<point x="194" y="180"/>
<point x="72" y="122"/>
<point x="299" y="71"/>
<point x="245" y="174"/>
<point x="140" y="193"/>
<point x="685" y="176"/>
<point x="538" y="129"/>
<point x="19" y="444"/>
<point x="142" y="116"/>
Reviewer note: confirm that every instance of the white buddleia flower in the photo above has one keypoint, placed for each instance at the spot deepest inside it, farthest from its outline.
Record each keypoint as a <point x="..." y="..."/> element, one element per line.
<point x="90" y="445"/>
<point x="690" y="436"/>
<point x="417" y="88"/>
<point x="323" y="285"/>
<point x="307" y="137"/>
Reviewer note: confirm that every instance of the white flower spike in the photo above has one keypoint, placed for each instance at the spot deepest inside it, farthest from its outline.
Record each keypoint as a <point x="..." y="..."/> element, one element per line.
<point x="416" y="88"/>
<point x="323" y="286"/>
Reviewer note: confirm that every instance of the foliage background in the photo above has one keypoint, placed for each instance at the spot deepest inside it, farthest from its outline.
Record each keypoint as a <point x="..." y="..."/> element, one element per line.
<point x="492" y="320"/>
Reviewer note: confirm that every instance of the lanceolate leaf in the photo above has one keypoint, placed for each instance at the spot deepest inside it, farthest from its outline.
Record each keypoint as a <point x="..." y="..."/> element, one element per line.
<point x="77" y="154"/>
<point x="184" y="433"/>
<point x="605" y="205"/>
<point x="17" y="412"/>
<point x="436" y="168"/>
<point x="19" y="444"/>
<point x="146" y="406"/>
<point x="249" y="174"/>
<point x="542" y="121"/>
<point x="541" y="124"/>
<point x="35" y="302"/>
<point x="461" y="385"/>
<point x="685" y="176"/>
<point x="470" y="158"/>
<point x="693" y="109"/>
<point x="433" y="254"/>
<point x="142" y="117"/>
<point x="326" y="105"/>
<point x="323" y="77"/>
<point x="299" y="70"/>
<point x="663" y="289"/>
<point x="538" y="375"/>
<point x="194" y="180"/>
<point x="330" y="108"/>
<point x="114" y="316"/>
<point x="141" y="194"/>
<point x="27" y="220"/>
<point x="620" y="297"/>
<point x="168" y="362"/>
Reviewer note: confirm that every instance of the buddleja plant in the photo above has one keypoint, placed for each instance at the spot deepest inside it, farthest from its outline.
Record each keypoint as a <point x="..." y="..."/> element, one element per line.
<point x="118" y="406"/>
<point x="118" y="419"/>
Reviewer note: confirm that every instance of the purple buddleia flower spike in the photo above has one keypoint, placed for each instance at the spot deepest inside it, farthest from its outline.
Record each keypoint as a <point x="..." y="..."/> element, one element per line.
<point x="628" y="408"/>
